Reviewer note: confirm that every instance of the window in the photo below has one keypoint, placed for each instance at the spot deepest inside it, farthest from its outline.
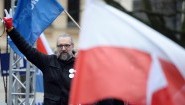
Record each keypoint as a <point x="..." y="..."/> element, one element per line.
<point x="7" y="4"/>
<point x="74" y="11"/>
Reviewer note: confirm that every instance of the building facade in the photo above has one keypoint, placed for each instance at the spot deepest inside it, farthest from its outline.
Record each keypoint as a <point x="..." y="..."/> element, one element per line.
<point x="63" y="24"/>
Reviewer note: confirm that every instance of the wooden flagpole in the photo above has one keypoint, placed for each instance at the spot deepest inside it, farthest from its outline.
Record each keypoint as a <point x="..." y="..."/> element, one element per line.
<point x="72" y="19"/>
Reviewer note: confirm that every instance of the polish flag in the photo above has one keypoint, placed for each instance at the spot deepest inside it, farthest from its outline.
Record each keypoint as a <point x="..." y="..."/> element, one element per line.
<point x="120" y="57"/>
<point x="43" y="45"/>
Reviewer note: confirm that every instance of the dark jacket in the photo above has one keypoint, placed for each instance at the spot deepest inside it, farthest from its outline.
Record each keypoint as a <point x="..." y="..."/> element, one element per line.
<point x="55" y="72"/>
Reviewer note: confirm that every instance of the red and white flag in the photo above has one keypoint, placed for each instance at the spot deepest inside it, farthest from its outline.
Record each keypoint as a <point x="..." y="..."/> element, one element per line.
<point x="43" y="45"/>
<point x="120" y="57"/>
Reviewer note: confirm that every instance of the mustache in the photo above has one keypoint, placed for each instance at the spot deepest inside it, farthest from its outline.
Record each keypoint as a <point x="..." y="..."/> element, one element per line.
<point x="63" y="52"/>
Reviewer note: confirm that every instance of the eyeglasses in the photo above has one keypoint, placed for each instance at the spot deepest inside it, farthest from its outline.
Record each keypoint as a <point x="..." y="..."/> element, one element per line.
<point x="63" y="45"/>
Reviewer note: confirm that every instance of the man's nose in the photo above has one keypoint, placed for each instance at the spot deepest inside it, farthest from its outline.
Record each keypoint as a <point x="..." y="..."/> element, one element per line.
<point x="63" y="48"/>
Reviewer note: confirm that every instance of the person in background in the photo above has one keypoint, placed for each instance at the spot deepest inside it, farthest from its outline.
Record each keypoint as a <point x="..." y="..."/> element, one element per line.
<point x="57" y="69"/>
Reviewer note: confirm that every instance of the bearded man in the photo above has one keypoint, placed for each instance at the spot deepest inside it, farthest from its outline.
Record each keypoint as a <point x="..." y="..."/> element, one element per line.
<point x="56" y="69"/>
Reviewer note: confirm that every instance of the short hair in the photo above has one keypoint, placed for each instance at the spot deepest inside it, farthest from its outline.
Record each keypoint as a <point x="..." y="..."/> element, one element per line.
<point x="64" y="36"/>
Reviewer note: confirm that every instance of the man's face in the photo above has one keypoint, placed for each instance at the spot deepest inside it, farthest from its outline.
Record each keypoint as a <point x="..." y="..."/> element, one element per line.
<point x="64" y="48"/>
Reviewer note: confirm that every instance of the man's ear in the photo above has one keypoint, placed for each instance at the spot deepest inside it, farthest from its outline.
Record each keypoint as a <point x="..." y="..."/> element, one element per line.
<point x="72" y="45"/>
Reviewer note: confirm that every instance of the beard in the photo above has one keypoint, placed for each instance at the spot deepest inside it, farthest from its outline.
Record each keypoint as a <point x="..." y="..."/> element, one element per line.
<point x="64" y="56"/>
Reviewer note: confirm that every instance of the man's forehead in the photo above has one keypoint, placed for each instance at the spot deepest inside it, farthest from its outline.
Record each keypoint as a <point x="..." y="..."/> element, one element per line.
<point x="65" y="40"/>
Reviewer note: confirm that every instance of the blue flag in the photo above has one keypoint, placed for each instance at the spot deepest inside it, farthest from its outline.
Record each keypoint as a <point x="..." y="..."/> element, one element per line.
<point x="32" y="17"/>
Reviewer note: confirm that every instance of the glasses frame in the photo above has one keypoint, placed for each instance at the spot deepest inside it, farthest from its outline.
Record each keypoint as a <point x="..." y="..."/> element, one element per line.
<point x="64" y="45"/>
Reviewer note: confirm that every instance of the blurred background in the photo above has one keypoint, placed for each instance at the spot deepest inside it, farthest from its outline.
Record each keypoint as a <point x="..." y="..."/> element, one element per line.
<point x="165" y="16"/>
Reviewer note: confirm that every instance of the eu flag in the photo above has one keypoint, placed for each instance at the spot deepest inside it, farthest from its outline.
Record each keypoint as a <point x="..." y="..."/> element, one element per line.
<point x="32" y="17"/>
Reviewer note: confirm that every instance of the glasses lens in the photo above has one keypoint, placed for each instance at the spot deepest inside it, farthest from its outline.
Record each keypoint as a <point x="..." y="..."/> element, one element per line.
<point x="63" y="45"/>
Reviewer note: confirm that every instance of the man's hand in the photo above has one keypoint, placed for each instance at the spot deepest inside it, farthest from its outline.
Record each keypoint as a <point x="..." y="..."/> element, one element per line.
<point x="8" y="19"/>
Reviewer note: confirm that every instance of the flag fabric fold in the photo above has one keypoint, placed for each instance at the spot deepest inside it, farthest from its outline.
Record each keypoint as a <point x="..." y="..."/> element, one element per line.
<point x="120" y="57"/>
<point x="43" y="45"/>
<point x="32" y="17"/>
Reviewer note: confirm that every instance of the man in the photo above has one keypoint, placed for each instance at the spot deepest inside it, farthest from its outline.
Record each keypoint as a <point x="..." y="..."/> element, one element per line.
<point x="55" y="68"/>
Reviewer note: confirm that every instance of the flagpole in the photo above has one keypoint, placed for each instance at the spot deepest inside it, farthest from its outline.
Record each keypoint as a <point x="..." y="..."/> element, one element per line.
<point x="72" y="19"/>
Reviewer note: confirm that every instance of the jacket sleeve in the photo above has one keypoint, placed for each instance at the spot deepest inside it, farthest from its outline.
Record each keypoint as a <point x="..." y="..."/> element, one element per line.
<point x="33" y="55"/>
